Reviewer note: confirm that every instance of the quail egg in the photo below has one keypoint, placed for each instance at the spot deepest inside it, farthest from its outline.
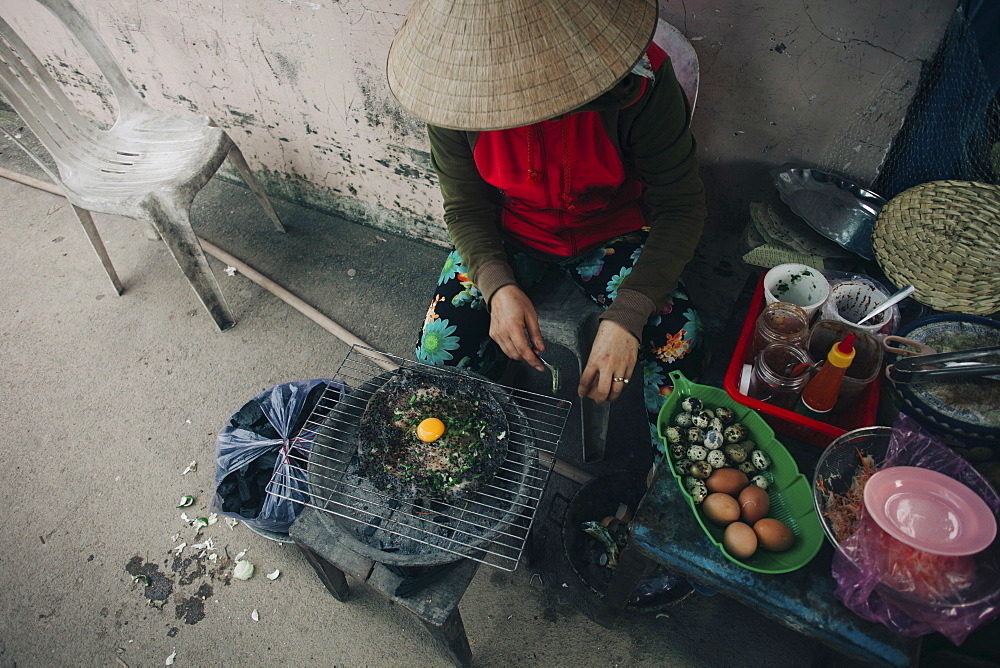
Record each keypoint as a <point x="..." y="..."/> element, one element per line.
<point x="760" y="481"/>
<point x="700" y="419"/>
<point x="697" y="453"/>
<point x="696" y="435"/>
<point x="692" y="404"/>
<point x="699" y="492"/>
<point x="674" y="434"/>
<point x="690" y="482"/>
<point x="735" y="432"/>
<point x="683" y="420"/>
<point x="747" y="468"/>
<point x="760" y="460"/>
<point x="682" y="466"/>
<point x="736" y="452"/>
<point x="727" y="415"/>
<point x="715" y="424"/>
<point x="714" y="440"/>
<point x="701" y="470"/>
<point x="716" y="458"/>
<point x="678" y="450"/>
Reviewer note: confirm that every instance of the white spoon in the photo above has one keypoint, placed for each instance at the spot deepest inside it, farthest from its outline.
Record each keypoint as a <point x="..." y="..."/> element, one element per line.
<point x="895" y="298"/>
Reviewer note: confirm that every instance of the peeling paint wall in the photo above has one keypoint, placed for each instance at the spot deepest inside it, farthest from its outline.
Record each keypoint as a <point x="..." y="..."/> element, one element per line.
<point x="300" y="86"/>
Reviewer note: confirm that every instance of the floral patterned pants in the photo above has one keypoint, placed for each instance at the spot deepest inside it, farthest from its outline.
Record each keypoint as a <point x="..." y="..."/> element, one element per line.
<point x="456" y="328"/>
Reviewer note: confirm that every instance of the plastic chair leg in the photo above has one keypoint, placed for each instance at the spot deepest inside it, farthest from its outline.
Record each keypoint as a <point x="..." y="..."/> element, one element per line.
<point x="236" y="157"/>
<point x="151" y="232"/>
<point x="95" y="240"/>
<point x="175" y="228"/>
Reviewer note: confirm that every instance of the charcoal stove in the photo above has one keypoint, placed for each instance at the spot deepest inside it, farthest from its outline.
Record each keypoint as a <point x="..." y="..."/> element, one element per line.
<point x="490" y="525"/>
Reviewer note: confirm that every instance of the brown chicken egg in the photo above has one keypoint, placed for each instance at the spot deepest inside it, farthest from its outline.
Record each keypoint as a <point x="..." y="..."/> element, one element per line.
<point x="721" y="508"/>
<point x="773" y="535"/>
<point x="740" y="540"/>
<point x="727" y="480"/>
<point x="754" y="504"/>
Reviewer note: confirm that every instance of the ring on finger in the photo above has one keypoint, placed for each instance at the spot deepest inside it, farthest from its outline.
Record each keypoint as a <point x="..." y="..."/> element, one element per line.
<point x="617" y="379"/>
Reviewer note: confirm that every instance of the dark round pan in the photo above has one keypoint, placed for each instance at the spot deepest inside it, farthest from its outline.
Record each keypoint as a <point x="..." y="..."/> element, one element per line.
<point x="384" y="449"/>
<point x="420" y="531"/>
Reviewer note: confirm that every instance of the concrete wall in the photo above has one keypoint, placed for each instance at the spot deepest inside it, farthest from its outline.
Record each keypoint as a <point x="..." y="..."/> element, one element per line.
<point x="301" y="87"/>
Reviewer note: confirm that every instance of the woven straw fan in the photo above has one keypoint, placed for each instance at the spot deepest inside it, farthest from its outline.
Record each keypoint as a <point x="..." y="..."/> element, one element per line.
<point x="943" y="237"/>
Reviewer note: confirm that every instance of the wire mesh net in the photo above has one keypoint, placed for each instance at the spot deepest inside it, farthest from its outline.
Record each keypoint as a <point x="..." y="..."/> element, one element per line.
<point x="948" y="128"/>
<point x="490" y="525"/>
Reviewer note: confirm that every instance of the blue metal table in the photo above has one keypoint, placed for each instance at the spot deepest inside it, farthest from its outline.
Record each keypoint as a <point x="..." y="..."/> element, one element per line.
<point x="664" y="532"/>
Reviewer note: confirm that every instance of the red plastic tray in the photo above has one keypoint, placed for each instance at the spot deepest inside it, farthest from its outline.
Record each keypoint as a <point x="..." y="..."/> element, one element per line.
<point x="861" y="413"/>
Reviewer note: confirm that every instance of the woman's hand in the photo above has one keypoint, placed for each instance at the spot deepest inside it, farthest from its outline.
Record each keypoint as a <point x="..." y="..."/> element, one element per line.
<point x="613" y="355"/>
<point x="511" y="314"/>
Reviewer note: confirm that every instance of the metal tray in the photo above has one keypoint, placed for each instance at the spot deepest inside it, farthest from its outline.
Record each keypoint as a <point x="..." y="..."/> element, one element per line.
<point x="836" y="208"/>
<point x="966" y="408"/>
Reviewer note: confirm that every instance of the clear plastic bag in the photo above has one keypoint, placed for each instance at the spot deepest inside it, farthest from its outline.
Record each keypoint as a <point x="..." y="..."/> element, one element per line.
<point x="262" y="439"/>
<point x="829" y="310"/>
<point x="910" y="591"/>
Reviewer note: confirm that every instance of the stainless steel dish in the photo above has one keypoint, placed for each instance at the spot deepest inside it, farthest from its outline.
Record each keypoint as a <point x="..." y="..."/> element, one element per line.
<point x="966" y="408"/>
<point x="836" y="208"/>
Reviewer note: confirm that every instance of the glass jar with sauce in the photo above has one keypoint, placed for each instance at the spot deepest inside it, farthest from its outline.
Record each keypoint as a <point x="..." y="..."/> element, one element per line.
<point x="779" y="374"/>
<point x="780" y="322"/>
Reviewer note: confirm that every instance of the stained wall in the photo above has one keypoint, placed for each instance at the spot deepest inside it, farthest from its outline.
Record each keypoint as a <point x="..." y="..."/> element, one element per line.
<point x="300" y="85"/>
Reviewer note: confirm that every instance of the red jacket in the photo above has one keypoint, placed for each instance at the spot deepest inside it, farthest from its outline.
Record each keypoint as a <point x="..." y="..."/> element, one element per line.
<point x="565" y="189"/>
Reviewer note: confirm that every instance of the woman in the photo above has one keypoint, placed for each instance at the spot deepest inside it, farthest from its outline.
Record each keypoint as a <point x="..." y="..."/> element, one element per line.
<point x="560" y="138"/>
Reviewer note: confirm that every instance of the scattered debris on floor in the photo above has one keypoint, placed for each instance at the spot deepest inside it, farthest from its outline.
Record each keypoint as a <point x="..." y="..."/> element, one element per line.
<point x="243" y="570"/>
<point x="192" y="608"/>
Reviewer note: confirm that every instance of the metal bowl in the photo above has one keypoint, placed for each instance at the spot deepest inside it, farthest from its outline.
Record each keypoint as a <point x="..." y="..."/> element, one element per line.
<point x="841" y="211"/>
<point x="841" y="461"/>
<point x="965" y="408"/>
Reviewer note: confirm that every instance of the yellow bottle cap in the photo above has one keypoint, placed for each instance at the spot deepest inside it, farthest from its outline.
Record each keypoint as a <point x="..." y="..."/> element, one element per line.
<point x="842" y="353"/>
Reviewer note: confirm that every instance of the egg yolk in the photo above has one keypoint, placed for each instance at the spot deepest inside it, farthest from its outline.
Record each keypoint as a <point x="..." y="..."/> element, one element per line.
<point x="430" y="430"/>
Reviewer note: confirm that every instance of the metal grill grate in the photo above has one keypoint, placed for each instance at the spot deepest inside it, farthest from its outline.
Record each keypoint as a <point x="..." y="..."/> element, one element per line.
<point x="491" y="525"/>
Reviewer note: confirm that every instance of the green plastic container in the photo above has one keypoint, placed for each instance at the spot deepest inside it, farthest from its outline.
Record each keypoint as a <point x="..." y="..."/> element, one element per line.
<point x="791" y="493"/>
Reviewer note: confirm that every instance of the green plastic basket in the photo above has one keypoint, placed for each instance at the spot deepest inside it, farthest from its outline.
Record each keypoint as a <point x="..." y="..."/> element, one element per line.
<point x="791" y="493"/>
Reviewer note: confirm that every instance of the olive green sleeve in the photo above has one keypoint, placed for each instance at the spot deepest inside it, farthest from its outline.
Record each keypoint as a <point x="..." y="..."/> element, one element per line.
<point x="658" y="137"/>
<point x="471" y="210"/>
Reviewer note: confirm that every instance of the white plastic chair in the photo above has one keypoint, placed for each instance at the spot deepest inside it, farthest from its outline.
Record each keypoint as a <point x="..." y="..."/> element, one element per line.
<point x="566" y="316"/>
<point x="682" y="56"/>
<point x="148" y="165"/>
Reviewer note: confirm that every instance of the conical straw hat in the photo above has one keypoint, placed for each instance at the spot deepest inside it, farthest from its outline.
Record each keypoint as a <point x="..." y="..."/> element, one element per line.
<point x="495" y="64"/>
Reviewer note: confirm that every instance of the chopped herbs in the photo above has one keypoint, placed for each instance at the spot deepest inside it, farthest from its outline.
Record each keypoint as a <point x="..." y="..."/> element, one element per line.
<point x="395" y="458"/>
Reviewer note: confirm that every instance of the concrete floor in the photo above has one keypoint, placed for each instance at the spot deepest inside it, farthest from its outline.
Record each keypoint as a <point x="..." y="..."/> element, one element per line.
<point x="107" y="399"/>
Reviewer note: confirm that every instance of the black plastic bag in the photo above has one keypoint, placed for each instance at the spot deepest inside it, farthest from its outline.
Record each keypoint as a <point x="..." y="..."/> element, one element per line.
<point x="261" y="441"/>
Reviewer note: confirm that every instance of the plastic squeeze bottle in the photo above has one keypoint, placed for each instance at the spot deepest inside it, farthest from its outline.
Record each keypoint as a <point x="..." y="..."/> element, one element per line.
<point x="820" y="394"/>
